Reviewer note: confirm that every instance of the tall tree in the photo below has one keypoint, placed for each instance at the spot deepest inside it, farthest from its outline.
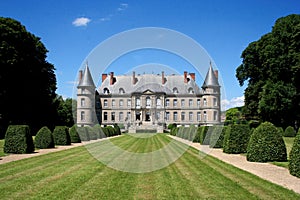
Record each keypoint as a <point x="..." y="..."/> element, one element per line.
<point x="271" y="66"/>
<point x="27" y="80"/>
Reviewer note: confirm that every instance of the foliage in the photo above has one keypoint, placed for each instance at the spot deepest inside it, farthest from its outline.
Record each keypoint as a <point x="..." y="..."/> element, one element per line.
<point x="117" y="129"/>
<point x="44" y="138"/>
<point x="217" y="137"/>
<point x="236" y="138"/>
<point x="280" y="129"/>
<point x="18" y="140"/>
<point x="271" y="67"/>
<point x="171" y="126"/>
<point x="289" y="132"/>
<point x="74" y="136"/>
<point x="266" y="144"/>
<point x="65" y="111"/>
<point x="23" y="58"/>
<point x="83" y="133"/>
<point x="61" y="135"/>
<point x="93" y="133"/>
<point x="294" y="164"/>
<point x="202" y="133"/>
<point x="235" y="115"/>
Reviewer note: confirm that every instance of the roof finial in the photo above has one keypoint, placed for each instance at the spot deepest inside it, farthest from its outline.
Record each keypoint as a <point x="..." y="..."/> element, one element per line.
<point x="210" y="63"/>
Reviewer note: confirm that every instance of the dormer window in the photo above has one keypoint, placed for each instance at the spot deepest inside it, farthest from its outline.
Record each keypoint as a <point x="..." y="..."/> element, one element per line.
<point x="175" y="90"/>
<point x="106" y="91"/>
<point x="191" y="91"/>
<point x="121" y="91"/>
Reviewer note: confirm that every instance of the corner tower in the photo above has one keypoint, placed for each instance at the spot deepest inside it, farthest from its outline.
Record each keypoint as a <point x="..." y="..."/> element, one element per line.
<point x="86" y="99"/>
<point x="211" y="98"/>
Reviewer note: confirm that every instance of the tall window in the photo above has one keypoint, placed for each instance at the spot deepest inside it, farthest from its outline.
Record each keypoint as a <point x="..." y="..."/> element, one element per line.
<point x="138" y="103"/>
<point x="167" y="116"/>
<point x="182" y="103"/>
<point x="204" y="115"/>
<point x="129" y="103"/>
<point x="158" y="115"/>
<point x="215" y="102"/>
<point x="175" y="116"/>
<point x="128" y="115"/>
<point x="167" y="102"/>
<point x="175" y="102"/>
<point x="113" y="103"/>
<point x="215" y="115"/>
<point x="190" y="102"/>
<point x="121" y="103"/>
<point x="105" y="103"/>
<point x="198" y="102"/>
<point x="113" y="116"/>
<point x="190" y="116"/>
<point x="82" y="116"/>
<point x="105" y="116"/>
<point x="198" y="116"/>
<point x="121" y="115"/>
<point x="204" y="102"/>
<point x="182" y="116"/>
<point x="82" y="102"/>
<point x="148" y="102"/>
<point x="158" y="102"/>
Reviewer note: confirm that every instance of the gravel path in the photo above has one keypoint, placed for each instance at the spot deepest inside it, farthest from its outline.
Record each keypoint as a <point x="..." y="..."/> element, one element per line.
<point x="267" y="171"/>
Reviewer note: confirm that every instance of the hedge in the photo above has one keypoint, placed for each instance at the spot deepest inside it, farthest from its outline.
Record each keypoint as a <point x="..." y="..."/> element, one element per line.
<point x="83" y="133"/>
<point x="236" y="139"/>
<point x="44" y="138"/>
<point x="289" y="132"/>
<point x="202" y="134"/>
<point x="280" y="129"/>
<point x="93" y="135"/>
<point x="18" y="140"/>
<point x="217" y="137"/>
<point x="61" y="135"/>
<point x="74" y="136"/>
<point x="294" y="164"/>
<point x="266" y="144"/>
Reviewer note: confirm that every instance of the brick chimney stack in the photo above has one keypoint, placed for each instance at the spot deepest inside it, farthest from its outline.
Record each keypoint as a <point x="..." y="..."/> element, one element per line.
<point x="216" y="72"/>
<point x="185" y="80"/>
<point x="133" y="78"/>
<point x="104" y="76"/>
<point x="111" y="82"/>
<point x="80" y="75"/>
<point x="193" y="76"/>
<point x="163" y="81"/>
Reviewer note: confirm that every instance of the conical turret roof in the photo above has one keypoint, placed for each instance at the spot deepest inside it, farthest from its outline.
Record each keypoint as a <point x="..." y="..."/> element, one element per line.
<point x="86" y="79"/>
<point x="210" y="79"/>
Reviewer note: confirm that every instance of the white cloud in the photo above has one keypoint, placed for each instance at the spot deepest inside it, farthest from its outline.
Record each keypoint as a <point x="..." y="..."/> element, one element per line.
<point x="104" y="19"/>
<point x="123" y="6"/>
<point x="81" y="21"/>
<point x="234" y="102"/>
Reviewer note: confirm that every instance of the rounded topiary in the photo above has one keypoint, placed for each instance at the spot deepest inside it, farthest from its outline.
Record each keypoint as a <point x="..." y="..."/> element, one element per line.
<point x="83" y="133"/>
<point x="93" y="135"/>
<point x="236" y="138"/>
<point x="111" y="131"/>
<point x="202" y="133"/>
<point x="18" y="140"/>
<point x="117" y="129"/>
<point x="44" y="138"/>
<point x="74" y="136"/>
<point x="280" y="129"/>
<point x="217" y="137"/>
<point x="61" y="135"/>
<point x="294" y="164"/>
<point x="289" y="132"/>
<point x="266" y="144"/>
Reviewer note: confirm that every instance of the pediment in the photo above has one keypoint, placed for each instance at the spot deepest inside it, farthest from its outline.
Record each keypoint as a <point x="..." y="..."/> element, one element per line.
<point x="148" y="92"/>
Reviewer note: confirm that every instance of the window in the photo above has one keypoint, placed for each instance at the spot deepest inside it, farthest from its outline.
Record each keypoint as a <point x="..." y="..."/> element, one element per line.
<point x="215" y="102"/>
<point x="128" y="115"/>
<point x="113" y="103"/>
<point x="158" y="115"/>
<point x="82" y="116"/>
<point x="129" y="103"/>
<point x="113" y="116"/>
<point x="138" y="103"/>
<point x="167" y="116"/>
<point x="175" y="116"/>
<point x="182" y="103"/>
<point x="215" y="115"/>
<point x="175" y="102"/>
<point x="158" y="102"/>
<point x="198" y="103"/>
<point x="148" y="102"/>
<point x="106" y="91"/>
<point x="105" y="116"/>
<point x="82" y="102"/>
<point x="198" y="116"/>
<point x="83" y="91"/>
<point x="105" y="103"/>
<point x="190" y="116"/>
<point x="175" y="90"/>
<point x="191" y="91"/>
<point x="205" y="116"/>
<point x="190" y="102"/>
<point x="121" y="115"/>
<point x="121" y="103"/>
<point x="204" y="102"/>
<point x="121" y="91"/>
<point x="182" y="116"/>
<point x="167" y="102"/>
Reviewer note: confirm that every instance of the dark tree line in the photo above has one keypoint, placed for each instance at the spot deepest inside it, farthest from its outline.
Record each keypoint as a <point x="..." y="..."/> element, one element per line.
<point x="27" y="80"/>
<point x="271" y="67"/>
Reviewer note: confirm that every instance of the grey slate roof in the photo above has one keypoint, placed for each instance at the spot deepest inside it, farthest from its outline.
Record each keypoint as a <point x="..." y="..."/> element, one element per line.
<point x="150" y="82"/>
<point x="210" y="79"/>
<point x="86" y="79"/>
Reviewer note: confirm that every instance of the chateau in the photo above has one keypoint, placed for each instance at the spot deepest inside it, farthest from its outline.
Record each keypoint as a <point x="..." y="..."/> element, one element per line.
<point x="148" y="101"/>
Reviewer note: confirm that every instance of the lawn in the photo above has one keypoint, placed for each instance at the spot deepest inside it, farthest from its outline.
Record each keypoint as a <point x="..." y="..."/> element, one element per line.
<point x="75" y="174"/>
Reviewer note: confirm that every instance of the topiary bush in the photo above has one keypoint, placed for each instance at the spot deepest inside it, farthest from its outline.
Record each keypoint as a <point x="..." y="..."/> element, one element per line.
<point x="117" y="129"/>
<point x="18" y="140"/>
<point x="294" y="164"/>
<point x="266" y="144"/>
<point x="44" y="138"/>
<point x="217" y="137"/>
<point x="61" y="135"/>
<point x="74" y="136"/>
<point x="93" y="135"/>
<point x="280" y="129"/>
<point x="236" y="139"/>
<point x="83" y="133"/>
<point x="202" y="133"/>
<point x="289" y="132"/>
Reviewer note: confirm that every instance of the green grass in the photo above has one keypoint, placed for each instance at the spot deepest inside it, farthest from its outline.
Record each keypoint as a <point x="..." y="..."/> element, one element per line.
<point x="75" y="174"/>
<point x="1" y="148"/>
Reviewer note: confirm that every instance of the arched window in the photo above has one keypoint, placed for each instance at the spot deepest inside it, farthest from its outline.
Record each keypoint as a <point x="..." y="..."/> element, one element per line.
<point x="82" y="102"/>
<point x="148" y="102"/>
<point x="191" y="91"/>
<point x="121" y="91"/>
<point x="158" y="102"/>
<point x="175" y="90"/>
<point x="106" y="91"/>
<point x="82" y="116"/>
<point x="138" y="103"/>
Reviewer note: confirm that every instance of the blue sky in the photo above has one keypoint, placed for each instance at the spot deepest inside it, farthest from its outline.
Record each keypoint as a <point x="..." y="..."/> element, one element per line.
<point x="70" y="30"/>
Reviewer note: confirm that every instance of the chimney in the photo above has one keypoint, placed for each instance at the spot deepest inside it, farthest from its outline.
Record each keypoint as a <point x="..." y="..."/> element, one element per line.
<point x="133" y="78"/>
<point x="193" y="76"/>
<point x="216" y="74"/>
<point x="185" y="80"/>
<point x="111" y="82"/>
<point x="80" y="75"/>
<point x="104" y="76"/>
<point x="163" y="81"/>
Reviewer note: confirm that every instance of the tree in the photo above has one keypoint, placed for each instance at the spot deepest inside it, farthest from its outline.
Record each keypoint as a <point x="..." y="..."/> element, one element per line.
<point x="27" y="80"/>
<point x="65" y="111"/>
<point x="271" y="66"/>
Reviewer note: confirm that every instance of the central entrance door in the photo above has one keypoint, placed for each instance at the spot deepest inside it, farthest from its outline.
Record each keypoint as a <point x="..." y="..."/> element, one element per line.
<point x="148" y="116"/>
